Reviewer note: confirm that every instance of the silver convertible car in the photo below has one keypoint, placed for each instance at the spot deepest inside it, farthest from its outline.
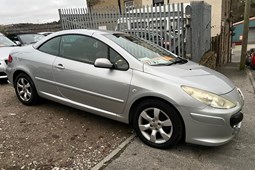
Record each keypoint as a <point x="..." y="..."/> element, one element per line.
<point x="112" y="74"/>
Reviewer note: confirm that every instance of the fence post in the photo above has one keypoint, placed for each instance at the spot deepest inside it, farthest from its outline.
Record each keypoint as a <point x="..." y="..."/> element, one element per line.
<point x="188" y="13"/>
<point x="200" y="29"/>
<point x="61" y="19"/>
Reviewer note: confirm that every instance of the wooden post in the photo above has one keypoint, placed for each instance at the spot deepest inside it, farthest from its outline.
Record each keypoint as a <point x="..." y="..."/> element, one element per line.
<point x="245" y="34"/>
<point x="119" y="5"/>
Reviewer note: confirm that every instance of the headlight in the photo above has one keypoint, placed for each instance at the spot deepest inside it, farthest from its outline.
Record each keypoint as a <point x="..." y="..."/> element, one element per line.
<point x="209" y="98"/>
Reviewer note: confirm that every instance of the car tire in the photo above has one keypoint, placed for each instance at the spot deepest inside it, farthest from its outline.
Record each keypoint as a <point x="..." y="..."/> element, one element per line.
<point x="158" y="124"/>
<point x="25" y="89"/>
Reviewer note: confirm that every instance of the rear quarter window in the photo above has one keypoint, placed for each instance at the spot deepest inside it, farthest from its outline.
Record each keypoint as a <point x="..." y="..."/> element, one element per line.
<point x="51" y="46"/>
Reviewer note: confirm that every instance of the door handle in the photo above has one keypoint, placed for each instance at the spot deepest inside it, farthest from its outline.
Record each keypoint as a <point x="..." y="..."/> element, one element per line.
<point x="60" y="66"/>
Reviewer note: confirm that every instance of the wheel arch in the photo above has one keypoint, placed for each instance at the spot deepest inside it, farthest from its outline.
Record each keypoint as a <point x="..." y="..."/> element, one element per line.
<point x="138" y="101"/>
<point x="17" y="72"/>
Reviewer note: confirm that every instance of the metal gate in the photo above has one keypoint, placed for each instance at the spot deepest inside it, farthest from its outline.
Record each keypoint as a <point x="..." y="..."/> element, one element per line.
<point x="163" y="25"/>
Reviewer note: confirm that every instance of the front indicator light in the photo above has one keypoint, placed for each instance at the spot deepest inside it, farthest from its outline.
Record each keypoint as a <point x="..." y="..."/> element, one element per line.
<point x="209" y="98"/>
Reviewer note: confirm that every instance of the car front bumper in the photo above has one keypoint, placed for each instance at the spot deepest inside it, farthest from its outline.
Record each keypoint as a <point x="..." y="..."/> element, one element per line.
<point x="212" y="131"/>
<point x="3" y="65"/>
<point x="213" y="127"/>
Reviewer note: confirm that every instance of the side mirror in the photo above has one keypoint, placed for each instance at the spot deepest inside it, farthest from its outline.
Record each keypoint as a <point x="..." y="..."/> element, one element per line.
<point x="17" y="43"/>
<point x="103" y="63"/>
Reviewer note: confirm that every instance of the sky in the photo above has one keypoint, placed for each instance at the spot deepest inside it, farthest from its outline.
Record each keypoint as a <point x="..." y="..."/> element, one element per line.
<point x="34" y="11"/>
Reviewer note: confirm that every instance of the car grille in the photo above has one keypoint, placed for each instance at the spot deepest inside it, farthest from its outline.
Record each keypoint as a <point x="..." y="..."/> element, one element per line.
<point x="2" y="74"/>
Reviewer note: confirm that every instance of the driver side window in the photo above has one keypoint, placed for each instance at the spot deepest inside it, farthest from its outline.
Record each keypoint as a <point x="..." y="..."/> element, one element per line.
<point x="87" y="49"/>
<point x="82" y="48"/>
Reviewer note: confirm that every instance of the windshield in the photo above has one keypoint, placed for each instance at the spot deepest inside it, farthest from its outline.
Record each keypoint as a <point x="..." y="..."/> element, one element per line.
<point x="144" y="51"/>
<point x="5" y="42"/>
<point x="30" y="38"/>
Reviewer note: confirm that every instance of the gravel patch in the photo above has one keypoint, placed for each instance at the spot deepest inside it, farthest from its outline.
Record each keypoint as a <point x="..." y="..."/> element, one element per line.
<point x="53" y="136"/>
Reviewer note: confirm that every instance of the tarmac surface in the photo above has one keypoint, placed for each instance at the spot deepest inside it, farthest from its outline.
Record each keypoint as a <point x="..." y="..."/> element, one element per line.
<point x="237" y="154"/>
<point x="236" y="51"/>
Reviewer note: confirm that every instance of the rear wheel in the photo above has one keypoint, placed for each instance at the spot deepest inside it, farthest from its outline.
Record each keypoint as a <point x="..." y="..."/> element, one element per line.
<point x="158" y="124"/>
<point x="25" y="89"/>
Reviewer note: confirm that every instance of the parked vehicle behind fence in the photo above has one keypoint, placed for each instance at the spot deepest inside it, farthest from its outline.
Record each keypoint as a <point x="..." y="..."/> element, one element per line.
<point x="112" y="74"/>
<point x="22" y="39"/>
<point x="163" y="25"/>
<point x="45" y="33"/>
<point x="153" y="18"/>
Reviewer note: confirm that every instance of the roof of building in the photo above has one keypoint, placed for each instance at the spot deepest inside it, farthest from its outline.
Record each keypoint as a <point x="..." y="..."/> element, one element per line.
<point x="241" y="22"/>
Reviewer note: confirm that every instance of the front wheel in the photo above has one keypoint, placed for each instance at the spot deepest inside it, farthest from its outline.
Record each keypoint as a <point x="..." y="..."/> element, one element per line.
<point x="158" y="124"/>
<point x="25" y="89"/>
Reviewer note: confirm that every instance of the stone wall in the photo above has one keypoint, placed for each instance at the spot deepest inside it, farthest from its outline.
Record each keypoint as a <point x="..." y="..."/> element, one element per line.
<point x="209" y="60"/>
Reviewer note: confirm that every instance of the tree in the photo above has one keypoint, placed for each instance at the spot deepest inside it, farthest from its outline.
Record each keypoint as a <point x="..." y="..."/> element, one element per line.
<point x="245" y="33"/>
<point x="237" y="8"/>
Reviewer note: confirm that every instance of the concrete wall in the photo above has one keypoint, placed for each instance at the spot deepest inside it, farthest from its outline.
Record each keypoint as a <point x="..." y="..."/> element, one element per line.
<point x="216" y="13"/>
<point x="200" y="30"/>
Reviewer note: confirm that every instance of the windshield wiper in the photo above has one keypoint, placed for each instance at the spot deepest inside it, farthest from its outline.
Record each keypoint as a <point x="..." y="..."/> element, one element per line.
<point x="178" y="60"/>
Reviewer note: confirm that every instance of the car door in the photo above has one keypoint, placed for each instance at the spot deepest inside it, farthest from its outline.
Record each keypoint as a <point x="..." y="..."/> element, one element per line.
<point x="79" y="81"/>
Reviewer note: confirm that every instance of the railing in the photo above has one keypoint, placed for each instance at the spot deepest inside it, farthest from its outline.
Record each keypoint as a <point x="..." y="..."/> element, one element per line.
<point x="163" y="25"/>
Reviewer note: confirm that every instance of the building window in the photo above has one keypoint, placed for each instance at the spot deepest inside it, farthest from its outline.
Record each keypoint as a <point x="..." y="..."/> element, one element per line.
<point x="129" y="5"/>
<point x="158" y="2"/>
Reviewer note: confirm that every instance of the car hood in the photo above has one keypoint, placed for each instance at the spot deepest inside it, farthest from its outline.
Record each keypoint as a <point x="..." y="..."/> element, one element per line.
<point x="194" y="75"/>
<point x="5" y="51"/>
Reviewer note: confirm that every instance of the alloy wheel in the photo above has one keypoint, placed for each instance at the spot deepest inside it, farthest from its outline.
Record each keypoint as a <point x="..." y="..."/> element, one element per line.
<point x="155" y="125"/>
<point x="24" y="89"/>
